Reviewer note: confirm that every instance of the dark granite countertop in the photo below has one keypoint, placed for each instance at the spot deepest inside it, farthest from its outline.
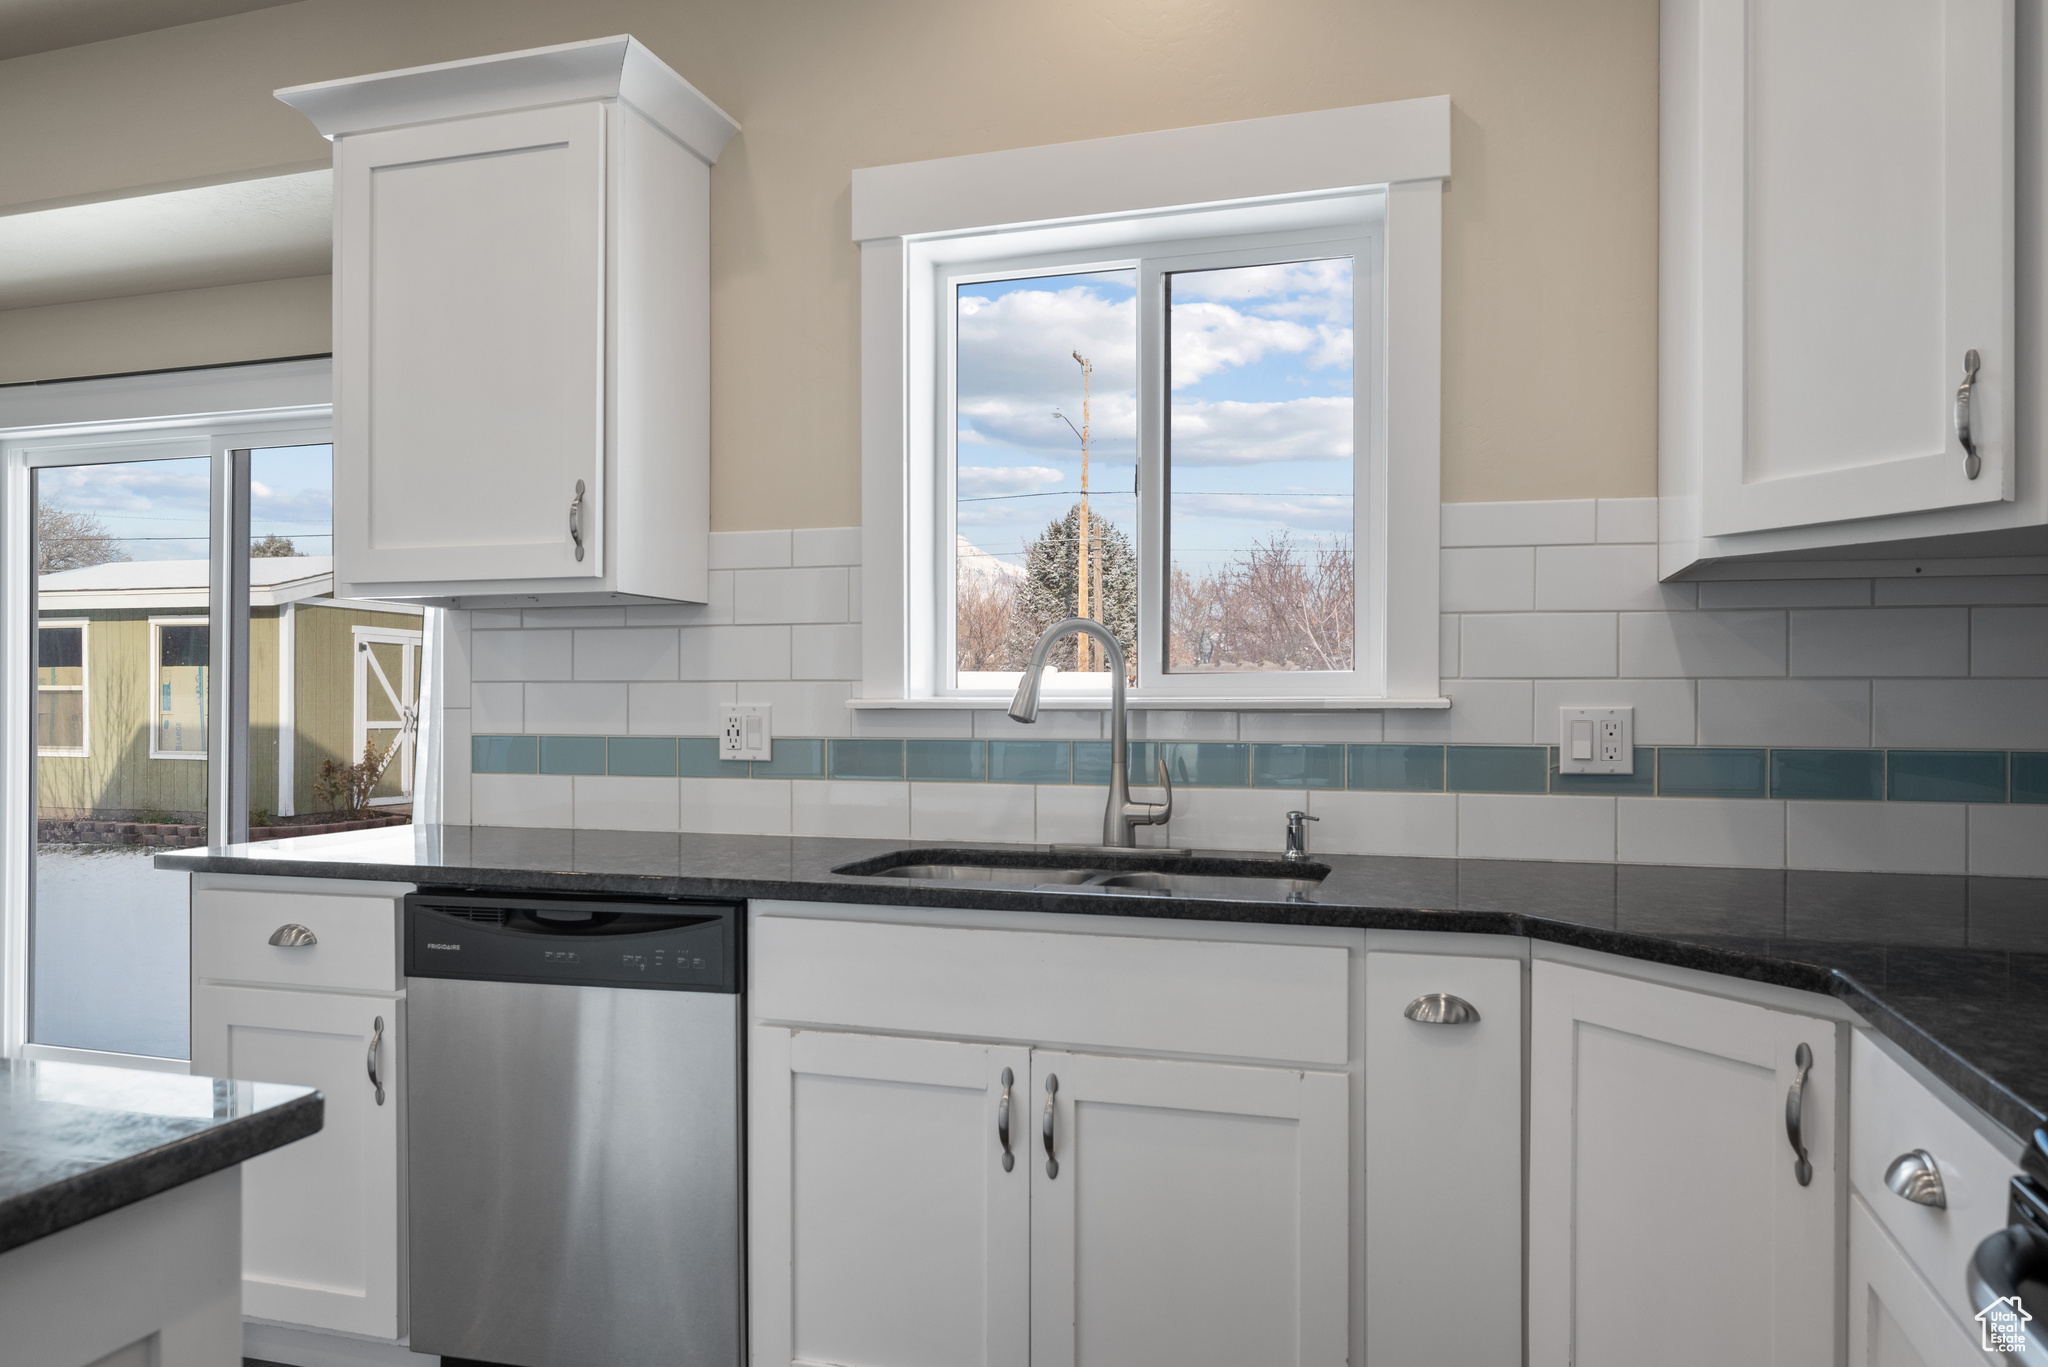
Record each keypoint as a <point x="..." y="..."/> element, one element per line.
<point x="78" y="1140"/>
<point x="1954" y="969"/>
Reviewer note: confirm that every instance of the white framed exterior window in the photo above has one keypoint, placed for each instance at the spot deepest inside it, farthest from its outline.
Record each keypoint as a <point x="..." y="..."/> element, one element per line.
<point x="1199" y="271"/>
<point x="63" y="702"/>
<point x="179" y="661"/>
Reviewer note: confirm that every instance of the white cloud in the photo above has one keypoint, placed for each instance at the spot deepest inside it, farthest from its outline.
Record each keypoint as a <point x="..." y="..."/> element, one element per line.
<point x="1209" y="337"/>
<point x="1296" y="512"/>
<point x="1233" y="433"/>
<point x="981" y="481"/>
<point x="1016" y="365"/>
<point x="1329" y="278"/>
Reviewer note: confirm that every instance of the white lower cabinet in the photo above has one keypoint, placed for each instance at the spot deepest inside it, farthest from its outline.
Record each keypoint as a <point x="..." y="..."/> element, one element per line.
<point x="1895" y="1317"/>
<point x="1666" y="1221"/>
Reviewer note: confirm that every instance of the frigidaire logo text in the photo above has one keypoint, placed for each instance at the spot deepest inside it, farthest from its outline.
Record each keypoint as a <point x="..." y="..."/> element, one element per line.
<point x="432" y="945"/>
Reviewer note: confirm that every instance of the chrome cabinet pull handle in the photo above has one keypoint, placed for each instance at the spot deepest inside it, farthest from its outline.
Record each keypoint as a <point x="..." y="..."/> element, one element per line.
<point x="371" y="1060"/>
<point x="1916" y="1177"/>
<point x="1973" y="464"/>
<point x="1052" y="1089"/>
<point x="1441" y="1008"/>
<point x="1003" y="1121"/>
<point x="1795" y="1106"/>
<point x="576" y="519"/>
<point x="293" y="936"/>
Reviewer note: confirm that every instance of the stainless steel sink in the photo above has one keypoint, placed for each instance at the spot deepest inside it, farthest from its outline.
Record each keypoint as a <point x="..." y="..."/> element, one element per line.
<point x="986" y="873"/>
<point x="1244" y="887"/>
<point x="1224" y="877"/>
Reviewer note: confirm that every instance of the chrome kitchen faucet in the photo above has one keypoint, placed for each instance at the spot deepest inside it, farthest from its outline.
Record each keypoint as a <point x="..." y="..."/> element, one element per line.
<point x="1121" y="817"/>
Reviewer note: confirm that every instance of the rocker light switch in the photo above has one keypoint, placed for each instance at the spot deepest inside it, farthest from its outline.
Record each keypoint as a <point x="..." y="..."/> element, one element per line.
<point x="746" y="734"/>
<point x="1596" y="740"/>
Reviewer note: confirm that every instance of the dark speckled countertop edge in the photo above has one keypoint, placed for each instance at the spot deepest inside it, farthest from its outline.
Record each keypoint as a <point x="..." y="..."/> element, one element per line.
<point x="2010" y="1110"/>
<point x="59" y="1205"/>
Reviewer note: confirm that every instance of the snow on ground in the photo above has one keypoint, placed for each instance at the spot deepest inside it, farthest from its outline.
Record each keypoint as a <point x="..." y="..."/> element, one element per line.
<point x="111" y="951"/>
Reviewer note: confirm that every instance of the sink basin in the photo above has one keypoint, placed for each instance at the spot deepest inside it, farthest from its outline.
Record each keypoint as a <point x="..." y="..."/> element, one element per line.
<point x="1244" y="887"/>
<point x="985" y="873"/>
<point x="1137" y="873"/>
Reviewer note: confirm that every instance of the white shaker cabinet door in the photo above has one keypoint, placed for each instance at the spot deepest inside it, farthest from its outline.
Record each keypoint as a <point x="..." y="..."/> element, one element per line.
<point x="1839" y="227"/>
<point x="1895" y="1317"/>
<point x="885" y="1230"/>
<point x="1666" y="1219"/>
<point x="321" y="1232"/>
<point x="1189" y="1214"/>
<point x="470" y="348"/>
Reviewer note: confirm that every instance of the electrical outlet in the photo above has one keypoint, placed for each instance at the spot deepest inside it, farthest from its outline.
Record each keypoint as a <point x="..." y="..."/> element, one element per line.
<point x="747" y="733"/>
<point x="1596" y="740"/>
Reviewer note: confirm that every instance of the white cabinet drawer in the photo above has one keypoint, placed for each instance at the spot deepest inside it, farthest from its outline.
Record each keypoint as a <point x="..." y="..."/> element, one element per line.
<point x="355" y="945"/>
<point x="1895" y="1317"/>
<point x="1128" y="993"/>
<point x="1891" y="1113"/>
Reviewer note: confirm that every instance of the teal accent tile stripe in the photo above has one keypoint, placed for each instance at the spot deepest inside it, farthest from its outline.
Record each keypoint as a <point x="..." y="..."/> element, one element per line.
<point x="2029" y="776"/>
<point x="1831" y="775"/>
<point x="793" y="759"/>
<point x="1945" y="775"/>
<point x="503" y="754"/>
<point x="641" y="756"/>
<point x="868" y="759"/>
<point x="1689" y="772"/>
<point x="572" y="754"/>
<point x="946" y="761"/>
<point x="1397" y="768"/>
<point x="1297" y="766"/>
<point x="1497" y="769"/>
<point x="697" y="757"/>
<point x="1641" y="783"/>
<point x="1037" y="761"/>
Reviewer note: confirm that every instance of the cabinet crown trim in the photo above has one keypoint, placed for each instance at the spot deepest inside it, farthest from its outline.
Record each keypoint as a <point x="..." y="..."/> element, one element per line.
<point x="600" y="69"/>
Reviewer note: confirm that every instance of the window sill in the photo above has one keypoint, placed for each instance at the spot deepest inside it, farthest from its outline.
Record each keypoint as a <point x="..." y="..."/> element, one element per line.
<point x="1056" y="703"/>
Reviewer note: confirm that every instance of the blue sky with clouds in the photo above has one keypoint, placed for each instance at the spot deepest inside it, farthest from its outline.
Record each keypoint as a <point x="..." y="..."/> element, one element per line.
<point x="158" y="508"/>
<point x="1261" y="377"/>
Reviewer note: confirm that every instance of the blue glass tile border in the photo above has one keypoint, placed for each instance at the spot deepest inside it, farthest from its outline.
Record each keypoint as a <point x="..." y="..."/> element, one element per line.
<point x="1681" y="771"/>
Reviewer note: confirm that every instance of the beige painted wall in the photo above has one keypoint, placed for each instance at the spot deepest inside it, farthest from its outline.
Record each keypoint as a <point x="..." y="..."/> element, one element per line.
<point x="1550" y="227"/>
<point x="258" y="321"/>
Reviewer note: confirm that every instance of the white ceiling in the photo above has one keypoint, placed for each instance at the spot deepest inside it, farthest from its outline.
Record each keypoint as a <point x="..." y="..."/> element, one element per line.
<point x="28" y="26"/>
<point x="247" y="230"/>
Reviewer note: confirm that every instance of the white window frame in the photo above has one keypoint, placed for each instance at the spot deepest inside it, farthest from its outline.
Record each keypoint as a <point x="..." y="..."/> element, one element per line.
<point x="1220" y="187"/>
<point x="84" y="688"/>
<point x="155" y="683"/>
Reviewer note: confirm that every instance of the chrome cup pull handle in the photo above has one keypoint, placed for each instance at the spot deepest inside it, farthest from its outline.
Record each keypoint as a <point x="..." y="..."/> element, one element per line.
<point x="1441" y="1008"/>
<point x="1003" y="1122"/>
<point x="293" y="936"/>
<point x="1917" y="1177"/>
<point x="1052" y="1090"/>
<point x="576" y="519"/>
<point x="1795" y="1116"/>
<point x="1973" y="464"/>
<point x="372" y="1060"/>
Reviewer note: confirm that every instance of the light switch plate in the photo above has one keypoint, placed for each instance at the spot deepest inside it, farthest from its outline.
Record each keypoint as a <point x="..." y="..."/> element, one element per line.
<point x="1596" y="740"/>
<point x="747" y="733"/>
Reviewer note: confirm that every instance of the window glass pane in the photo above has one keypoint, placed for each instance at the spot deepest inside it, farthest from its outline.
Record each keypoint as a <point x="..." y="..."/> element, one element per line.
<point x="117" y="545"/>
<point x="1259" y="468"/>
<point x="1046" y="468"/>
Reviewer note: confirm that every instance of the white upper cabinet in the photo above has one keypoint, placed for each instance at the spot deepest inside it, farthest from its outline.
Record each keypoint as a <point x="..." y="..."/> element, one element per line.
<point x="521" y="345"/>
<point x="1838" y="239"/>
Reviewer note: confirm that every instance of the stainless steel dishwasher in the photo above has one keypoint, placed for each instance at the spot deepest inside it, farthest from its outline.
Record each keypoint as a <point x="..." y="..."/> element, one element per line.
<point x="573" y="1130"/>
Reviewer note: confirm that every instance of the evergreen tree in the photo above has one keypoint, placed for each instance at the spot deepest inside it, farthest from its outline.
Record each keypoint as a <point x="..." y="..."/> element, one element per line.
<point x="1050" y="591"/>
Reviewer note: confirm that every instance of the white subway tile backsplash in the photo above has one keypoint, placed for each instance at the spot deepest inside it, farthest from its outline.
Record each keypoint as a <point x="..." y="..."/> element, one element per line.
<point x="1712" y="832"/>
<point x="573" y="617"/>
<point x="1051" y="725"/>
<point x="1423" y="825"/>
<point x="807" y="595"/>
<point x="1222" y="819"/>
<point x="1069" y="815"/>
<point x="678" y="709"/>
<point x="1666" y="709"/>
<point x="750" y="550"/>
<point x="519" y="655"/>
<point x="1006" y="813"/>
<point x="825" y="546"/>
<point x="1482" y="712"/>
<point x="804" y="708"/>
<point x="1810" y="713"/>
<point x="1627" y="519"/>
<point x="628" y="653"/>
<point x="2009" y="642"/>
<point x="735" y="806"/>
<point x="825" y="652"/>
<point x="853" y="594"/>
<point x="493" y="619"/>
<point x="871" y="810"/>
<point x="1537" y="645"/>
<point x="455" y="776"/>
<point x="1694" y="645"/>
<point x="1494" y="579"/>
<point x="576" y="709"/>
<point x="1876" y="837"/>
<point x="1785" y="593"/>
<point x="1542" y="523"/>
<point x="715" y="610"/>
<point x="1601" y="578"/>
<point x="497" y="708"/>
<point x="614" y="803"/>
<point x="2009" y="842"/>
<point x="1511" y="826"/>
<point x="1359" y="728"/>
<point x="521" y="800"/>
<point x="1963" y="589"/>
<point x="908" y="723"/>
<point x="1880" y="642"/>
<point x="1169" y="725"/>
<point x="455" y="676"/>
<point x="1964" y="714"/>
<point x="735" y="652"/>
<point x="1447" y="646"/>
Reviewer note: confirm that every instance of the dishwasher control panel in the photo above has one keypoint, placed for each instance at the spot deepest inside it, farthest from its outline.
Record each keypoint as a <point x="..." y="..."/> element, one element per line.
<point x="663" y="946"/>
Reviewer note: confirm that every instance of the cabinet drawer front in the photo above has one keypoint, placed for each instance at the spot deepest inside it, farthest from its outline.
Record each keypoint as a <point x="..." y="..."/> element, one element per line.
<point x="355" y="940"/>
<point x="1895" y="1317"/>
<point x="1233" y="1000"/>
<point x="1891" y="1113"/>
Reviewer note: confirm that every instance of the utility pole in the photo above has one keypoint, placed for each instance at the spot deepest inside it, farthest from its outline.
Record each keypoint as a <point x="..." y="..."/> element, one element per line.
<point x="1088" y="606"/>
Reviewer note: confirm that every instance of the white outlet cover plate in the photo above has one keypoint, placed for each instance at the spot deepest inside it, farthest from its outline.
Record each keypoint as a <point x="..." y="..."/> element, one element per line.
<point x="1596" y="740"/>
<point x="746" y="732"/>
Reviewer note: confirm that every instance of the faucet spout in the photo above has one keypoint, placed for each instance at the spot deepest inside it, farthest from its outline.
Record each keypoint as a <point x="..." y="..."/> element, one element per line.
<point x="1121" y="817"/>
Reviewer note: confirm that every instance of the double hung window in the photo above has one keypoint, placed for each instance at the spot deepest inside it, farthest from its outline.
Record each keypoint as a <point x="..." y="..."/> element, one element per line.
<point x="62" y="708"/>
